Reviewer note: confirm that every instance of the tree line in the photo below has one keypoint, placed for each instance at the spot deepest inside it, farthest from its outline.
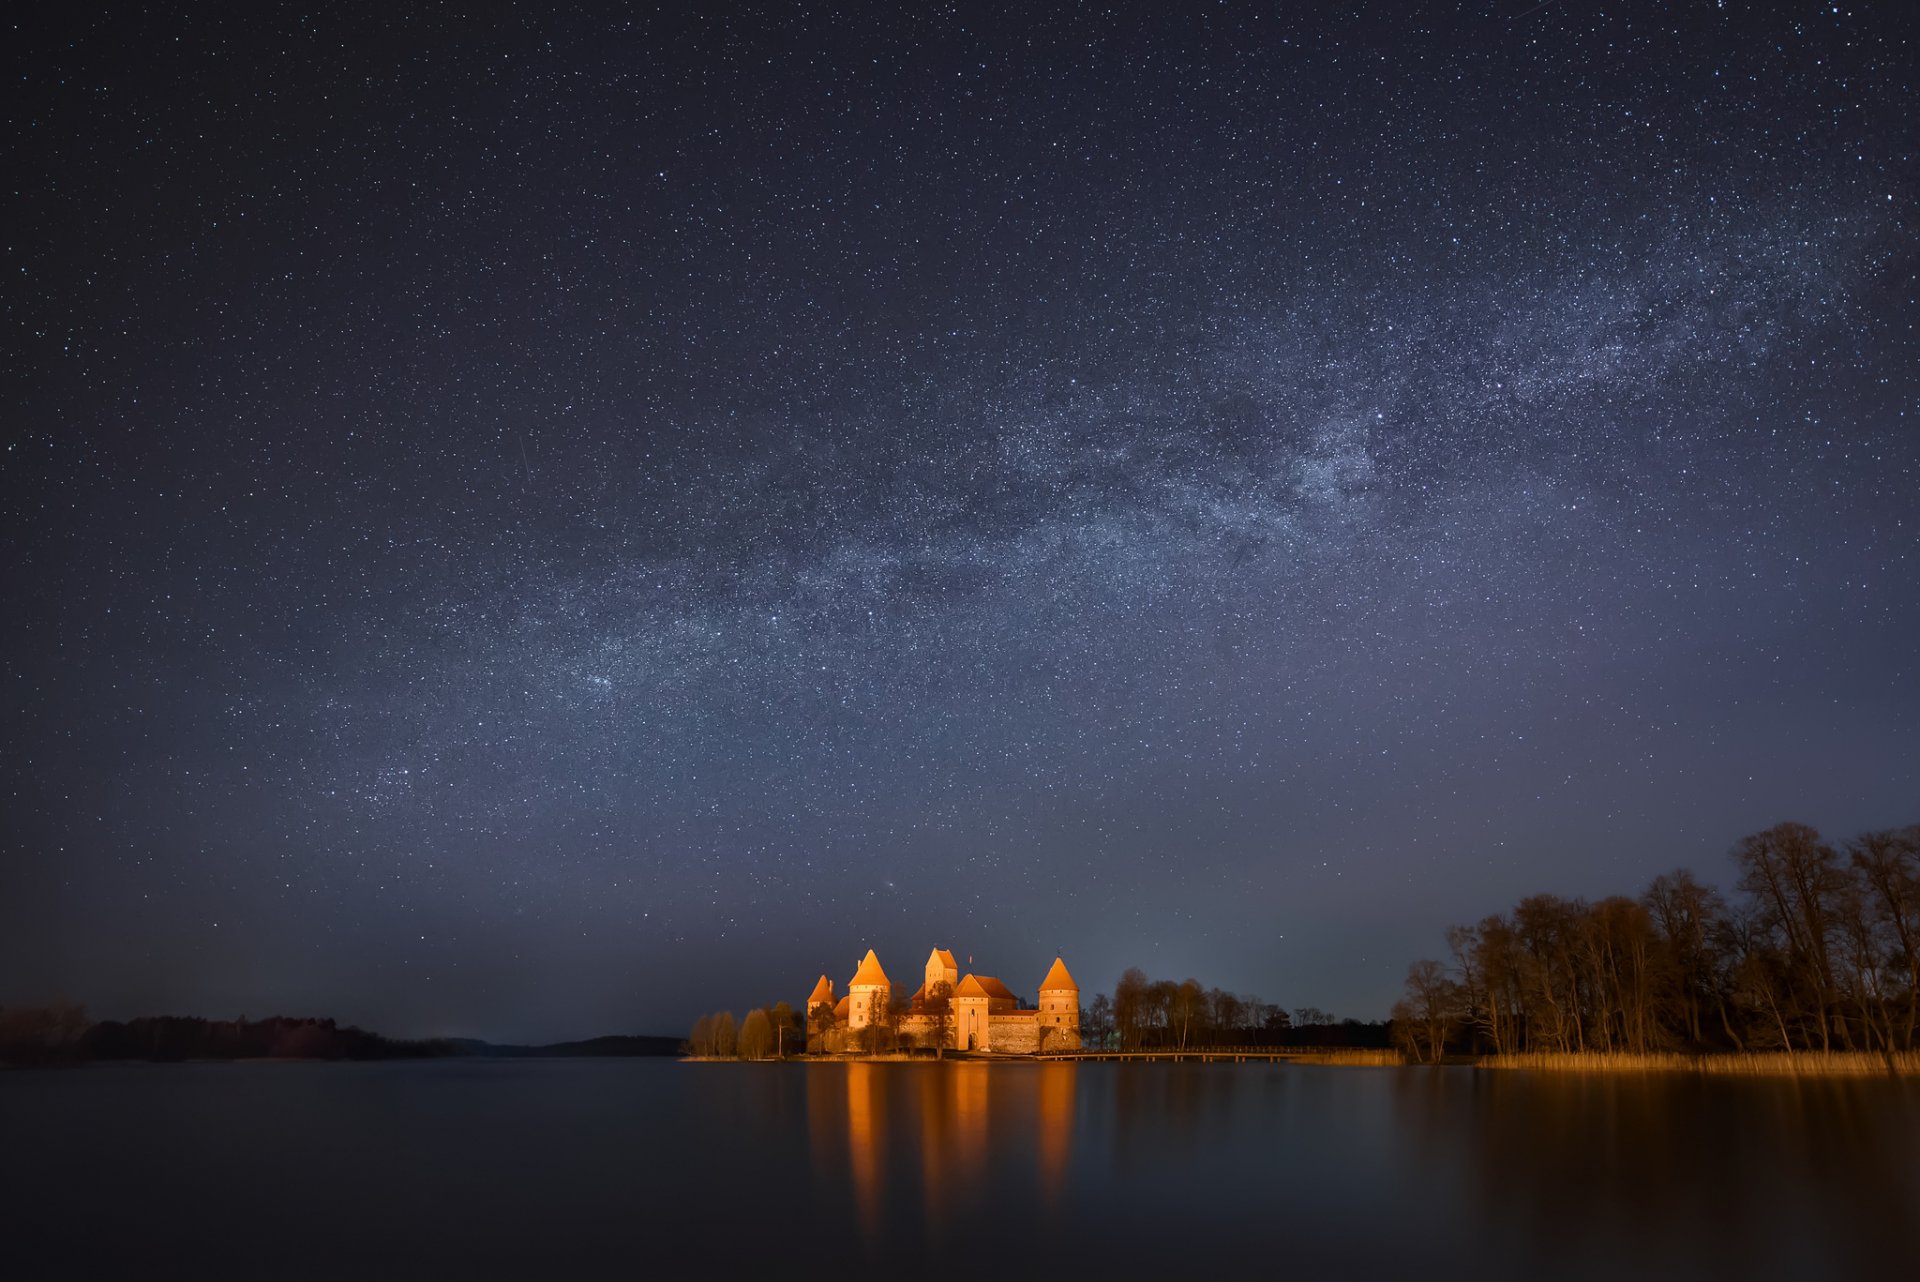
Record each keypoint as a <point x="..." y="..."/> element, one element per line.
<point x="1166" y="1014"/>
<point x="60" y="1032"/>
<point x="769" y="1032"/>
<point x="1817" y="948"/>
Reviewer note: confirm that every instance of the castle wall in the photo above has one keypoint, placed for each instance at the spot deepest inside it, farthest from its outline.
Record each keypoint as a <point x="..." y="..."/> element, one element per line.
<point x="867" y="1001"/>
<point x="1015" y="1033"/>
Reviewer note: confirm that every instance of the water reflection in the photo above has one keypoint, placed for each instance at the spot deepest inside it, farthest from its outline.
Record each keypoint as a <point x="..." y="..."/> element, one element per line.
<point x="594" y="1168"/>
<point x="968" y="1134"/>
<point x="1711" y="1177"/>
<point x="1443" y="1173"/>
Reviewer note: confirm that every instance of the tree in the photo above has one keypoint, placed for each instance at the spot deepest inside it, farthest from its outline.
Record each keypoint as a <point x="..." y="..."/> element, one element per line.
<point x="1129" y="1007"/>
<point x="1887" y="868"/>
<point x="700" y="1040"/>
<point x="1463" y="942"/>
<point x="819" y="1024"/>
<point x="937" y="1005"/>
<point x="1795" y="879"/>
<point x="724" y="1036"/>
<point x="1686" y="916"/>
<point x="781" y="1017"/>
<point x="1186" y="1007"/>
<point x="1546" y="928"/>
<point x="1158" y="1011"/>
<point x="1225" y="1015"/>
<point x="756" y="1035"/>
<point x="1096" y="1022"/>
<point x="1425" y="1018"/>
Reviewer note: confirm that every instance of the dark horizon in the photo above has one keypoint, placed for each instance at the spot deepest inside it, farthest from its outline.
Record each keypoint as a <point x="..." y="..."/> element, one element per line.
<point x="544" y="524"/>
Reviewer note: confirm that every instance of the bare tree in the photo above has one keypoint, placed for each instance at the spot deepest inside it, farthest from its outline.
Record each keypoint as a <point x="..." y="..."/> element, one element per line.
<point x="1887" y="865"/>
<point x="937" y="1005"/>
<point x="819" y="1024"/>
<point x="1425" y="1018"/>
<point x="781" y="1017"/>
<point x="756" y="1035"/>
<point x="1096" y="1022"/>
<point x="1812" y="952"/>
<point x="700" y="1040"/>
<point x="1186" y="1007"/>
<point x="1130" y="1007"/>
<point x="1686" y="915"/>
<point x="1794" y="878"/>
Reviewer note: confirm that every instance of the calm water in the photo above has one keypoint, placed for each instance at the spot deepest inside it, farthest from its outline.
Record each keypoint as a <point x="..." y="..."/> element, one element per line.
<point x="623" y="1168"/>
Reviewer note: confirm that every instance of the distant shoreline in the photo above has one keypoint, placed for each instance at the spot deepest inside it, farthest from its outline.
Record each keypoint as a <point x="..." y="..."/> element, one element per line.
<point x="60" y="1035"/>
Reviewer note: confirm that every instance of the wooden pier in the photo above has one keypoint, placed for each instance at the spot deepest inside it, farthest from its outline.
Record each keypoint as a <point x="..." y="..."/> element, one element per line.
<point x="1229" y="1054"/>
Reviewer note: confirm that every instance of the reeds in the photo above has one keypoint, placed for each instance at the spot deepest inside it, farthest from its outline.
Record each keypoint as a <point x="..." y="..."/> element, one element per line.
<point x="1351" y="1057"/>
<point x="1766" y="1064"/>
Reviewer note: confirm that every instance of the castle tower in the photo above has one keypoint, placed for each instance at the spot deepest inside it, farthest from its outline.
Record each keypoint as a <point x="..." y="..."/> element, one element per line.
<point x="1059" y="1009"/>
<point x="971" y="1016"/>
<point x="818" y="1015"/>
<point x="941" y="970"/>
<point x="870" y="991"/>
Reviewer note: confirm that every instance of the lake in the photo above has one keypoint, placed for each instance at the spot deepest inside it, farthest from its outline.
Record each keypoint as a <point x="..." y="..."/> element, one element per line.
<point x="626" y="1168"/>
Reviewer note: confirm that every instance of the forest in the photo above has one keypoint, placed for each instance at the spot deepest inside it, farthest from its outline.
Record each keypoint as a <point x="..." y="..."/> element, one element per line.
<point x="60" y="1033"/>
<point x="1815" y="948"/>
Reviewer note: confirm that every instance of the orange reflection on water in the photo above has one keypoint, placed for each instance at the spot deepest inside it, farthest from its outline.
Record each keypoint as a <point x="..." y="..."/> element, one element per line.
<point x="865" y="1138"/>
<point x="1056" y="1126"/>
<point x="963" y="1118"/>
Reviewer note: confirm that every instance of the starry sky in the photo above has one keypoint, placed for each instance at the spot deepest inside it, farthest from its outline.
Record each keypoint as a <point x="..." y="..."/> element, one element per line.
<point x="533" y="525"/>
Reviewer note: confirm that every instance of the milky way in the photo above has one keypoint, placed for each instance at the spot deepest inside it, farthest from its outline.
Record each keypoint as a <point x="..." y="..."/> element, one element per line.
<point x="531" y="525"/>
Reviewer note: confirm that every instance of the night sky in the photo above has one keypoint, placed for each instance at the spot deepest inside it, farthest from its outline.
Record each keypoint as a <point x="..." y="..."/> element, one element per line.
<point x="531" y="525"/>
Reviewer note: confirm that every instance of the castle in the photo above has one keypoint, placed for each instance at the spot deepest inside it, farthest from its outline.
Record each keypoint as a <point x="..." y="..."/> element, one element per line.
<point x="977" y="1013"/>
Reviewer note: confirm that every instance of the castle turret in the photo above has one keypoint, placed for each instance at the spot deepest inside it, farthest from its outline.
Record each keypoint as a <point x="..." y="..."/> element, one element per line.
<point x="941" y="970"/>
<point x="972" y="1019"/>
<point x="870" y="991"/>
<point x="1059" y="1008"/>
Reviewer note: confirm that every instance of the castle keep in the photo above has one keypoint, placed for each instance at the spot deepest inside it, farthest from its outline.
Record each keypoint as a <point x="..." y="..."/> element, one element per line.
<point x="974" y="1012"/>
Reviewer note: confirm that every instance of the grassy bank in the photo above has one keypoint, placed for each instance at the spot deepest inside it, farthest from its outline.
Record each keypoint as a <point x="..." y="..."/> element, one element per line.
<point x="1770" y="1064"/>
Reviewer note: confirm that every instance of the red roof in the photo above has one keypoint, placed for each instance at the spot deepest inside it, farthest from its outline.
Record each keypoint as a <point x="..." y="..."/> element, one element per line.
<point x="1057" y="978"/>
<point x="970" y="987"/>
<point x="870" y="973"/>
<point x="822" y="992"/>
<point x="995" y="988"/>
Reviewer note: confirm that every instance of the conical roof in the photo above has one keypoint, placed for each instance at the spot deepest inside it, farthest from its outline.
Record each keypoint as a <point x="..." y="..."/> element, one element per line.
<point x="1057" y="978"/>
<point x="822" y="992"/>
<point x="870" y="973"/>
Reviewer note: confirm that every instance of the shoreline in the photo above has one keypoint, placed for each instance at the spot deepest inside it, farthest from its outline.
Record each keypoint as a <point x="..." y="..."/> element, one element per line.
<point x="1722" y="1064"/>
<point x="1853" y="1064"/>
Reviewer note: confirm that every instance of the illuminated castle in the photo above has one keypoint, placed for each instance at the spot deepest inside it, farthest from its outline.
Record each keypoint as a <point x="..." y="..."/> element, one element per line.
<point x="977" y="1013"/>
